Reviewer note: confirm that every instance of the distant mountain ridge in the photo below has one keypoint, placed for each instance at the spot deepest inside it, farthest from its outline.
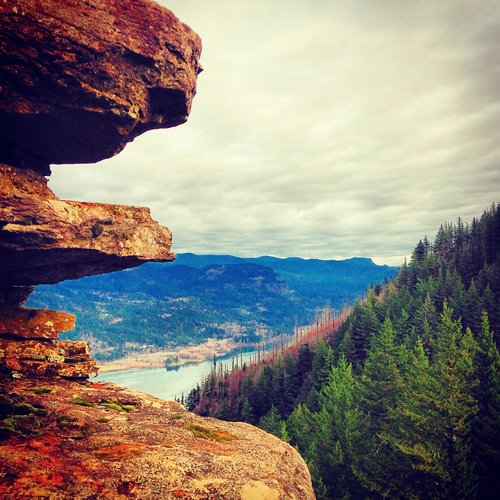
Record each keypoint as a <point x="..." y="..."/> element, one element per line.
<point x="202" y="296"/>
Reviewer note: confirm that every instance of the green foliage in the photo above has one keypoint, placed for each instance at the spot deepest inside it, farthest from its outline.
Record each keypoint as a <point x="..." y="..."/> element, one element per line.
<point x="204" y="433"/>
<point x="78" y="400"/>
<point x="114" y="404"/>
<point x="271" y="422"/>
<point x="404" y="400"/>
<point x="486" y="428"/>
<point x="411" y="407"/>
<point x="197" y="297"/>
<point x="338" y="432"/>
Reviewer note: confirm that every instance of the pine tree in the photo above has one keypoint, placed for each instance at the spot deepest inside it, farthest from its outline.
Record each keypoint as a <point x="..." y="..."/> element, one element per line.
<point x="486" y="427"/>
<point x="363" y="325"/>
<point x="224" y="411"/>
<point x="271" y="422"/>
<point x="321" y="364"/>
<point x="301" y="428"/>
<point x="434" y="415"/>
<point x="471" y="317"/>
<point x="291" y="384"/>
<point x="261" y="396"/>
<point x="425" y="321"/>
<point x="377" y="466"/>
<point x="338" y="432"/>
<point x="246" y="411"/>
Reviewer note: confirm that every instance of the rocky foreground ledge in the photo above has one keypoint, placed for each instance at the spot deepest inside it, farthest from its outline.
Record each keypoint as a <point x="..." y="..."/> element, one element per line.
<point x="63" y="439"/>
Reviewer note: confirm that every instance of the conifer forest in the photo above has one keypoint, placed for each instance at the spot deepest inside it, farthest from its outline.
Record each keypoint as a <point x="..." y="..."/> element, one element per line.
<point x="400" y="397"/>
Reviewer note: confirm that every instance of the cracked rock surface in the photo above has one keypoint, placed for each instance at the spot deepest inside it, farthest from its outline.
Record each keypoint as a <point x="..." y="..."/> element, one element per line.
<point x="46" y="240"/>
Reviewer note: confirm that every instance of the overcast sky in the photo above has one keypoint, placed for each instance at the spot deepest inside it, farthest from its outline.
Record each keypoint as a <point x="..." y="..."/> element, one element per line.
<point x="321" y="128"/>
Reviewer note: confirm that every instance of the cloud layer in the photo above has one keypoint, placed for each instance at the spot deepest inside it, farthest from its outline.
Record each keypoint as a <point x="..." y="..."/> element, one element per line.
<point x="323" y="129"/>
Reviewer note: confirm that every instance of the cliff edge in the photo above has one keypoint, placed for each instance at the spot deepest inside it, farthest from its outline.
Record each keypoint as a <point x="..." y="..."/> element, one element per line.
<point x="79" y="81"/>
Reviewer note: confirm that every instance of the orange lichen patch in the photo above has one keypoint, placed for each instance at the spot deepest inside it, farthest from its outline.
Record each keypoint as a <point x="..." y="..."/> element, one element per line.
<point x="120" y="451"/>
<point x="139" y="454"/>
<point x="223" y="436"/>
<point x="45" y="444"/>
<point x="179" y="493"/>
<point x="50" y="479"/>
<point x="98" y="385"/>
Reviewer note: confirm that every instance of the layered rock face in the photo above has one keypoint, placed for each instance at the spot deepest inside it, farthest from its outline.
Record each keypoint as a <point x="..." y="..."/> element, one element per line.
<point x="79" y="80"/>
<point x="47" y="240"/>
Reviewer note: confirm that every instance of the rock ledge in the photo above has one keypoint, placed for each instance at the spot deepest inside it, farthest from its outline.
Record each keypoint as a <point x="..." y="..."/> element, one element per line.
<point x="95" y="440"/>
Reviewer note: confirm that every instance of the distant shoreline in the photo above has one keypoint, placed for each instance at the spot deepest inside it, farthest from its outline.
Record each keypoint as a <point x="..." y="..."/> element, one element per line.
<point x="182" y="355"/>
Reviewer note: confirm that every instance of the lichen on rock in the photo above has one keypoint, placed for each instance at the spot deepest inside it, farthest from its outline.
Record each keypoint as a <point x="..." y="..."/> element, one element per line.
<point x="150" y="451"/>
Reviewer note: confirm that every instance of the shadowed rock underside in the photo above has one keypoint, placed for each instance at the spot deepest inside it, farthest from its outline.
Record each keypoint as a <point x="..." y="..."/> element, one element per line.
<point x="80" y="80"/>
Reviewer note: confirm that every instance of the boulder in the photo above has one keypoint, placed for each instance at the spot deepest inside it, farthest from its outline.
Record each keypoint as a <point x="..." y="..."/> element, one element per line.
<point x="80" y="81"/>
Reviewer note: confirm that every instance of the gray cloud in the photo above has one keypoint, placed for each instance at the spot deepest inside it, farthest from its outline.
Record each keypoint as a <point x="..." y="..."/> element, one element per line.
<point x="321" y="129"/>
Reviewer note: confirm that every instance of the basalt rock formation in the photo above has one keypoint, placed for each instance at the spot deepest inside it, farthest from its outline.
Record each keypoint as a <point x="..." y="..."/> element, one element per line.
<point x="47" y="240"/>
<point x="81" y="79"/>
<point x="78" y="81"/>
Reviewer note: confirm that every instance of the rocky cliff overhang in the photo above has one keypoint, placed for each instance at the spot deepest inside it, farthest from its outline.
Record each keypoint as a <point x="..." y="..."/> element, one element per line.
<point x="78" y="81"/>
<point x="46" y="240"/>
<point x="81" y="79"/>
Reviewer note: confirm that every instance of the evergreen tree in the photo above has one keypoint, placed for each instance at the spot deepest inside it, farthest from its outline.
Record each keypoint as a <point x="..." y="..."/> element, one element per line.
<point x="301" y="427"/>
<point x="337" y="433"/>
<point x="486" y="428"/>
<point x="471" y="317"/>
<point x="425" y="321"/>
<point x="377" y="466"/>
<point x="291" y="384"/>
<point x="364" y="324"/>
<point x="261" y="396"/>
<point x="434" y="415"/>
<point x="246" y="411"/>
<point x="271" y="422"/>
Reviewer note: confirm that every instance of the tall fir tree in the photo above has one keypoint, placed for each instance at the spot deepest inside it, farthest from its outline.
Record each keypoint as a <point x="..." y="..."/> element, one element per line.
<point x="486" y="426"/>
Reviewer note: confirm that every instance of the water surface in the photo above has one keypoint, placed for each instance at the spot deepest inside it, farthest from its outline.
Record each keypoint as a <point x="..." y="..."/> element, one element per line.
<point x="167" y="384"/>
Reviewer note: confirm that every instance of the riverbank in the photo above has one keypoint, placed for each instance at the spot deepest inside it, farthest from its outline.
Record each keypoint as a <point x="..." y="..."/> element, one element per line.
<point x="172" y="357"/>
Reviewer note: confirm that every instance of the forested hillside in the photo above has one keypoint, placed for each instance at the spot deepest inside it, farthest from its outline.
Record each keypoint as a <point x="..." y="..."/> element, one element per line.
<point x="403" y="400"/>
<point x="204" y="296"/>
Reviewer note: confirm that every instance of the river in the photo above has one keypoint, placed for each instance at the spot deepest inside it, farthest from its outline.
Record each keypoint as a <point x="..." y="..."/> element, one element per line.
<point x="167" y="384"/>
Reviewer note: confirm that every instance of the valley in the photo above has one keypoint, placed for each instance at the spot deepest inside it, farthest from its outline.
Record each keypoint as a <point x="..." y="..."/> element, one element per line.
<point x="142" y="315"/>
